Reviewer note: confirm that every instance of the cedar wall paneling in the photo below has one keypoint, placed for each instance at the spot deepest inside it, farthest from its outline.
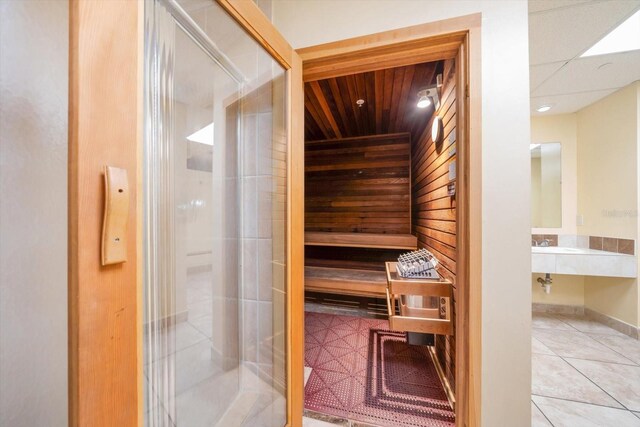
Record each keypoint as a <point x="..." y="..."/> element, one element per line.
<point x="433" y="211"/>
<point x="359" y="185"/>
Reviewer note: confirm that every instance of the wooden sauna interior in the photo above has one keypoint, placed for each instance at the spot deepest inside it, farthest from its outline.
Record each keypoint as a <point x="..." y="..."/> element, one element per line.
<point x="376" y="185"/>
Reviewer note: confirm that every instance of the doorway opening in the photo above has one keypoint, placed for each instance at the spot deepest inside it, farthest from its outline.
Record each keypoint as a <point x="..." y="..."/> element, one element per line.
<point x="386" y="173"/>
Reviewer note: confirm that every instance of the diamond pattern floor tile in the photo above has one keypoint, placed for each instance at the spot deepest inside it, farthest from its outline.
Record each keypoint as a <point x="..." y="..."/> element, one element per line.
<point x="366" y="373"/>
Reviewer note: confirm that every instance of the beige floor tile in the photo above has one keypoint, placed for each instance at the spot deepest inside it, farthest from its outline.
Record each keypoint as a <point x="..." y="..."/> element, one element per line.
<point x="539" y="348"/>
<point x="194" y="365"/>
<point x="310" y="422"/>
<point x="238" y="410"/>
<point x="564" y="413"/>
<point x="204" y="404"/>
<point x="577" y="345"/>
<point x="627" y="346"/>
<point x="269" y="410"/>
<point x="548" y="321"/>
<point x="553" y="377"/>
<point x="203" y="324"/>
<point x="584" y="324"/>
<point x="620" y="381"/>
<point x="537" y="418"/>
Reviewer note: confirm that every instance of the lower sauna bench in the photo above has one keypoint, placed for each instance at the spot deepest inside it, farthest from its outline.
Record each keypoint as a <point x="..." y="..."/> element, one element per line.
<point x="346" y="281"/>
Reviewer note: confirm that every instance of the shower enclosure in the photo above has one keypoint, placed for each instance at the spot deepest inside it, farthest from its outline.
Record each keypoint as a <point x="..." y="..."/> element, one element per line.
<point x="214" y="233"/>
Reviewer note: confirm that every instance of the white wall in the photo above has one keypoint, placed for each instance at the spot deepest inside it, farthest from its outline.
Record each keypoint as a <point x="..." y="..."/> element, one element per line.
<point x="506" y="252"/>
<point x="34" y="44"/>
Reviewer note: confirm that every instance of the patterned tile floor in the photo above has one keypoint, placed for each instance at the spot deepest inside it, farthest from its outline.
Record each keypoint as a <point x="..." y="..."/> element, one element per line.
<point x="584" y="374"/>
<point x="363" y="372"/>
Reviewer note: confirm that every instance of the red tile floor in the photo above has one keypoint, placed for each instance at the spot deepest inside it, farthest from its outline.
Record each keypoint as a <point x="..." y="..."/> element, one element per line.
<point x="363" y="372"/>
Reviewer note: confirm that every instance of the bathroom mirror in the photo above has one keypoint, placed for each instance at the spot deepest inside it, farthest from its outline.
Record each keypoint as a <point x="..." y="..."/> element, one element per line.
<point x="546" y="185"/>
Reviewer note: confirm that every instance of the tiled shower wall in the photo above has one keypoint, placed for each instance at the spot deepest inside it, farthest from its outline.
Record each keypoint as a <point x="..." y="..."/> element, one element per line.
<point x="263" y="183"/>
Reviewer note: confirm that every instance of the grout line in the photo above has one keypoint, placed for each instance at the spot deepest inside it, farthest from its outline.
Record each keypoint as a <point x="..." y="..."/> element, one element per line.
<point x="614" y="350"/>
<point x="542" y="412"/>
<point x="633" y="365"/>
<point x="579" y="401"/>
<point x="586" y="334"/>
<point x="607" y="393"/>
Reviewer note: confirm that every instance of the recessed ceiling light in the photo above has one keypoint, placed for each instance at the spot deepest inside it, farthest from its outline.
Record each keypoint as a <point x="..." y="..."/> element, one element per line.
<point x="623" y="38"/>
<point x="203" y="136"/>
<point x="543" y="108"/>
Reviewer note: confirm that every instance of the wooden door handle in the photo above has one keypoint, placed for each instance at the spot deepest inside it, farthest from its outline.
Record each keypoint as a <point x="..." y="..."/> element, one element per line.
<point x="116" y="214"/>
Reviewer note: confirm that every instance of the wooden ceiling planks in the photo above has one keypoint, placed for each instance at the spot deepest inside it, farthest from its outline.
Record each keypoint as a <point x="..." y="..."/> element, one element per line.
<point x="390" y="96"/>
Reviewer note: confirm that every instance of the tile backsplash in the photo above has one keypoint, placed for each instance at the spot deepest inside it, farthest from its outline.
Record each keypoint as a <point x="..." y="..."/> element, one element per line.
<point x="552" y="238"/>
<point x="609" y="244"/>
<point x="612" y="244"/>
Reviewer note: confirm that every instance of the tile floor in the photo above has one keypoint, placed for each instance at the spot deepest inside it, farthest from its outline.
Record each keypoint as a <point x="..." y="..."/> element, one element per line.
<point x="584" y="374"/>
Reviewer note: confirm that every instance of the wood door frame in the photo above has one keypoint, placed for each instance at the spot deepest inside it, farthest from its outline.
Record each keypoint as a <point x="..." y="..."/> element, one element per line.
<point x="457" y="38"/>
<point x="106" y="128"/>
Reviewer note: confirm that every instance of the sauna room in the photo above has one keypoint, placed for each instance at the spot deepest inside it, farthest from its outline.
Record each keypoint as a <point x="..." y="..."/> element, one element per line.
<point x="380" y="182"/>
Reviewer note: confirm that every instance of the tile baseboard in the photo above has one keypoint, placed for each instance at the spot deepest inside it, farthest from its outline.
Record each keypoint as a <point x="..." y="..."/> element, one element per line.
<point x="613" y="323"/>
<point x="170" y="320"/>
<point x="537" y="307"/>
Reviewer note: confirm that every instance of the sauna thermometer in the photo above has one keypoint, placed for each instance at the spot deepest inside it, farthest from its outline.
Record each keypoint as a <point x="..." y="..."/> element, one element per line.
<point x="420" y="264"/>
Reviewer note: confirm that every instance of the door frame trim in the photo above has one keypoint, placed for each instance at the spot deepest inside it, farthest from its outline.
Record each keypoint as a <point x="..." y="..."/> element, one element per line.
<point x="105" y="128"/>
<point x="457" y="38"/>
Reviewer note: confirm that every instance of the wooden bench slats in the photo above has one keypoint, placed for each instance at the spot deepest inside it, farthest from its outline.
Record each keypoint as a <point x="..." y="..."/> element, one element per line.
<point x="346" y="281"/>
<point x="361" y="240"/>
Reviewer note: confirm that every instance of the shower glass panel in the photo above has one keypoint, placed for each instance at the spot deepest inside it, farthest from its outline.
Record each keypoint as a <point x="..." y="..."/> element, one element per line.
<point x="215" y="208"/>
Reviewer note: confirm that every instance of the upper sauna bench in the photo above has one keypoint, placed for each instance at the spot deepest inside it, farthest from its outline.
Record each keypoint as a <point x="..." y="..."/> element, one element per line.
<point x="361" y="240"/>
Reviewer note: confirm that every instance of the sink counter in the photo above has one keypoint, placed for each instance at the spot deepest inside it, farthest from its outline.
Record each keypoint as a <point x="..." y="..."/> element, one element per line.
<point x="582" y="262"/>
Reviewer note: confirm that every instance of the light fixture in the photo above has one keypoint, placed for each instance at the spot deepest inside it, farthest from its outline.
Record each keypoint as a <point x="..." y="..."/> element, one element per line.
<point x="544" y="108"/>
<point x="360" y="102"/>
<point x="437" y="130"/>
<point x="623" y="38"/>
<point x="427" y="97"/>
<point x="203" y="136"/>
<point x="423" y="100"/>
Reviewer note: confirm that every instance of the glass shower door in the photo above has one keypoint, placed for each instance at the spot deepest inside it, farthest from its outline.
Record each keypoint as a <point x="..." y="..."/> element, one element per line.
<point x="215" y="194"/>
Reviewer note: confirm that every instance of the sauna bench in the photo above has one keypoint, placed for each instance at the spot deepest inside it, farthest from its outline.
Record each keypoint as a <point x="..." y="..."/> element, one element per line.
<point x="362" y="240"/>
<point x="346" y="281"/>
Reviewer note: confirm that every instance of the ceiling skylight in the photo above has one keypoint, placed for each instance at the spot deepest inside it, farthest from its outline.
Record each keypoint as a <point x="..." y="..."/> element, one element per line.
<point x="623" y="38"/>
<point x="203" y="136"/>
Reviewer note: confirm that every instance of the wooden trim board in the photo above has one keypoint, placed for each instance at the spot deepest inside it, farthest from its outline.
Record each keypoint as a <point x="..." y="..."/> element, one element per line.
<point x="104" y="302"/>
<point x="295" y="247"/>
<point x="251" y="18"/>
<point x="460" y="39"/>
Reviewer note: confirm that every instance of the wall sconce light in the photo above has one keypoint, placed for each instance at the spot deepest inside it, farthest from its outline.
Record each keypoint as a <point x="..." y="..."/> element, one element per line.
<point x="427" y="97"/>
<point x="437" y="130"/>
